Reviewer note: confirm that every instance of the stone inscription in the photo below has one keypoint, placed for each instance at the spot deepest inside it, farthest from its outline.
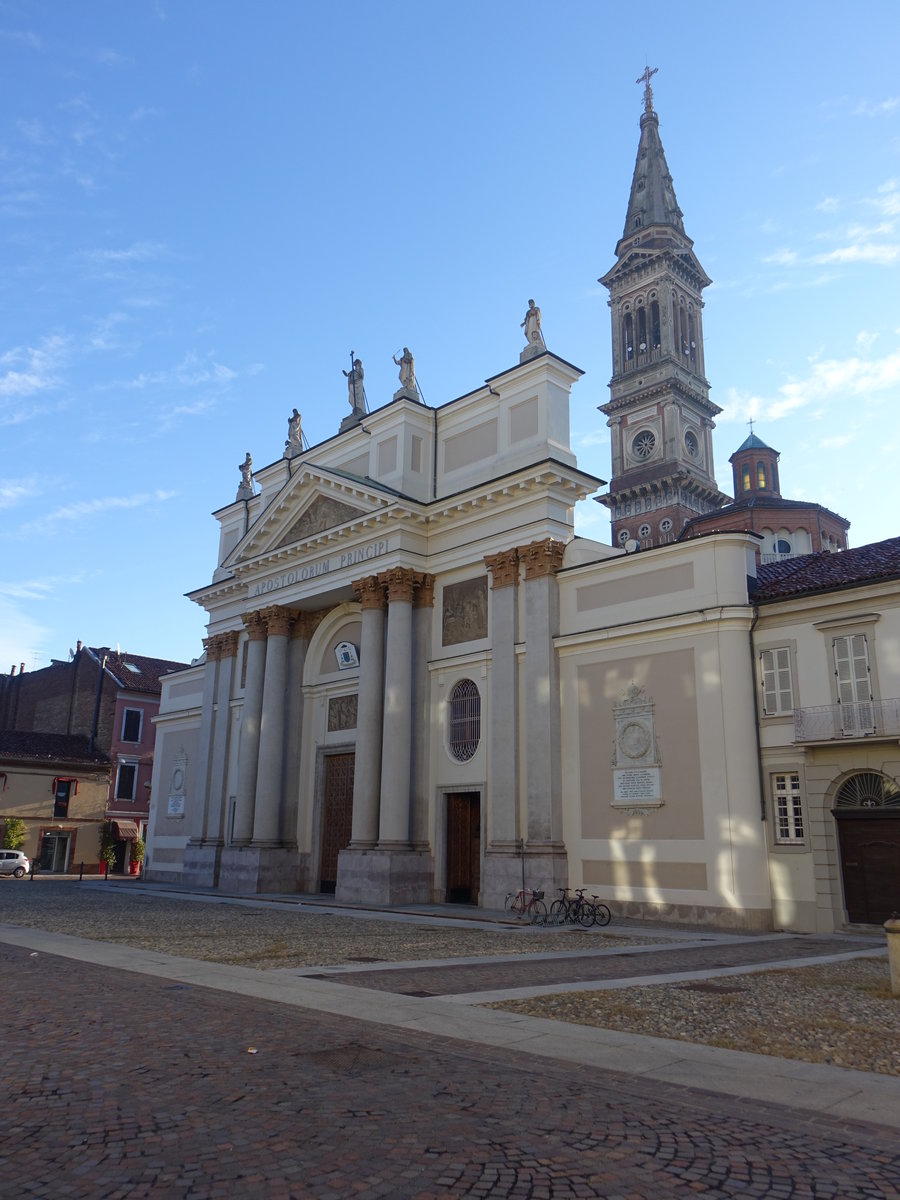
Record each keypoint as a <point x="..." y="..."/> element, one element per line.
<point x="342" y="713"/>
<point x="464" y="612"/>
<point x="636" y="784"/>
<point x="324" y="566"/>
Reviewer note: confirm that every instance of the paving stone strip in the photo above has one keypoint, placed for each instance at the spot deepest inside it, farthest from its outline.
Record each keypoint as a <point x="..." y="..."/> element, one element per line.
<point x="448" y="979"/>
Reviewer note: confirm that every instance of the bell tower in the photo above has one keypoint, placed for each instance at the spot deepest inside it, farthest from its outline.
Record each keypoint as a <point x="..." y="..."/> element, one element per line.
<point x="659" y="412"/>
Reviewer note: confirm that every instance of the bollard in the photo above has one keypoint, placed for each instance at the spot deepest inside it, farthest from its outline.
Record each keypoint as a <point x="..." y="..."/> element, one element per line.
<point x="892" y="929"/>
<point x="106" y="870"/>
<point x="81" y="872"/>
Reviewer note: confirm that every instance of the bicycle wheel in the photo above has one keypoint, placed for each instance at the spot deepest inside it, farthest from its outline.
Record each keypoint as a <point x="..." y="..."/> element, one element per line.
<point x="509" y="901"/>
<point x="604" y="916"/>
<point x="558" y="913"/>
<point x="537" y="910"/>
<point x="585" y="915"/>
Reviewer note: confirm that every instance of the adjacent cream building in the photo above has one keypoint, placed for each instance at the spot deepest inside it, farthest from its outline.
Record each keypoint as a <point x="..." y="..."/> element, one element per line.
<point x="420" y="685"/>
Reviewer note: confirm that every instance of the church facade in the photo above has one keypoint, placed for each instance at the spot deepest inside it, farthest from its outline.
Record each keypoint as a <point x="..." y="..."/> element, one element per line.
<point x="420" y="686"/>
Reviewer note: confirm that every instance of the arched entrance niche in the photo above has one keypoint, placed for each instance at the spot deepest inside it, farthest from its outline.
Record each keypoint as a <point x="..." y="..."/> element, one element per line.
<point x="867" y="813"/>
<point x="330" y="687"/>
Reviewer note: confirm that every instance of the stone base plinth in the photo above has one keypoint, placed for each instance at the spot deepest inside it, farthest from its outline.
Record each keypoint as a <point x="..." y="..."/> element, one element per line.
<point x="545" y="870"/>
<point x="251" y="869"/>
<point x="755" y="920"/>
<point x="384" y="876"/>
<point x="201" y="864"/>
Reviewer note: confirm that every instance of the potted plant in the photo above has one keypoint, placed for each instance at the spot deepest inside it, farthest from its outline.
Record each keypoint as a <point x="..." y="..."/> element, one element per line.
<point x="136" y="855"/>
<point x="107" y="847"/>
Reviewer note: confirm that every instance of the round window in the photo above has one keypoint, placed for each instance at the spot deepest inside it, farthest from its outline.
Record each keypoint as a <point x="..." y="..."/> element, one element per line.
<point x="464" y="727"/>
<point x="644" y="444"/>
<point x="624" y="535"/>
<point x="691" y="444"/>
<point x="665" y="525"/>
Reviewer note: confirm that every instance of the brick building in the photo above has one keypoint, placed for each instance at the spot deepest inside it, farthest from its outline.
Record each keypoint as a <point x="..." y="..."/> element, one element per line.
<point x="85" y="725"/>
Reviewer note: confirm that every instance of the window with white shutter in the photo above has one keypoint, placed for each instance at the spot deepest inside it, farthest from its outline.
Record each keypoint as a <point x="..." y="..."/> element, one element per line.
<point x="853" y="684"/>
<point x="775" y="678"/>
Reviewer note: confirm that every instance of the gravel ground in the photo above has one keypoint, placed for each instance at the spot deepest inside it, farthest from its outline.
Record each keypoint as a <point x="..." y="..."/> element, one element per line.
<point x="840" y="1013"/>
<point x="267" y="938"/>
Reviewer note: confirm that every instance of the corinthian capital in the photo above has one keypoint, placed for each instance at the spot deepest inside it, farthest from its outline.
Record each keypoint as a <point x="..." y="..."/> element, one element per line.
<point x="504" y="568"/>
<point x="369" y="591"/>
<point x="542" y="558"/>
<point x="399" y="583"/>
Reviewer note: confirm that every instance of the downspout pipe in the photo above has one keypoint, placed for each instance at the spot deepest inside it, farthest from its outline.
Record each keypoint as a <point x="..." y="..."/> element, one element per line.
<point x="759" y="761"/>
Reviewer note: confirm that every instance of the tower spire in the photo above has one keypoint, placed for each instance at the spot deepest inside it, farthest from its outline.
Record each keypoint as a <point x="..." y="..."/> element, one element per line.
<point x="659" y="413"/>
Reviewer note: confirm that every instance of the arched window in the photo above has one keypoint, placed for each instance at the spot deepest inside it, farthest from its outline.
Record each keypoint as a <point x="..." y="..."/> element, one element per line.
<point x="654" y="325"/>
<point x="868" y="789"/>
<point x="628" y="332"/>
<point x="745" y="477"/>
<point x="464" y="727"/>
<point x="761" y="476"/>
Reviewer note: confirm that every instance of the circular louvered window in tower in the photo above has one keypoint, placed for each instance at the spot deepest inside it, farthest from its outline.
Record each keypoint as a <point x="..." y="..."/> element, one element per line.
<point x="867" y="789"/>
<point x="644" y="444"/>
<point x="691" y="444"/>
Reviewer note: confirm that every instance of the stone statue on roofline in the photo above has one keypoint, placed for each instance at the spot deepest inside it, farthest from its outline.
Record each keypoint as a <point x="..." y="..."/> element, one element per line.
<point x="533" y="335"/>
<point x="356" y="394"/>
<point x="245" y="491"/>
<point x="407" y="365"/>
<point x="294" y="444"/>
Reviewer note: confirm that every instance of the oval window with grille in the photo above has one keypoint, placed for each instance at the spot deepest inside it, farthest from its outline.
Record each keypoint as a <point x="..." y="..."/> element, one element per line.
<point x="464" y="730"/>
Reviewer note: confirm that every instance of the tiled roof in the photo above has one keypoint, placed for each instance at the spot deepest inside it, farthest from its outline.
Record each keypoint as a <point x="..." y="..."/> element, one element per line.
<point x="826" y="572"/>
<point x="757" y="504"/>
<point x="146" y="678"/>
<point x="48" y="747"/>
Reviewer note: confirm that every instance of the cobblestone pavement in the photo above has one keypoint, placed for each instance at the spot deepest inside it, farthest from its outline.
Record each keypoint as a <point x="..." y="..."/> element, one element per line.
<point x="445" y="979"/>
<point x="118" y="1085"/>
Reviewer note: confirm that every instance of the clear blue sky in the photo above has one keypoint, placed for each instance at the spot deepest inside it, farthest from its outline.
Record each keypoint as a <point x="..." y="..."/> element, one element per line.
<point x="205" y="206"/>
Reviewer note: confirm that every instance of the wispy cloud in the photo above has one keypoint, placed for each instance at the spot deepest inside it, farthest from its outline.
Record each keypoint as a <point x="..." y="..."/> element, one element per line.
<point x="138" y="252"/>
<point x="876" y="108"/>
<point x="192" y="371"/>
<point x="25" y="370"/>
<point x="82" y="510"/>
<point x="24" y="36"/>
<point x="33" y="131"/>
<point x="880" y="253"/>
<point x="837" y="441"/>
<point x="847" y="379"/>
<point x="14" y="491"/>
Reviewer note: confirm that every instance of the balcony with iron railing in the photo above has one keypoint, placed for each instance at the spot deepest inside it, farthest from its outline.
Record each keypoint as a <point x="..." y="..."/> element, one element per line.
<point x="837" y="722"/>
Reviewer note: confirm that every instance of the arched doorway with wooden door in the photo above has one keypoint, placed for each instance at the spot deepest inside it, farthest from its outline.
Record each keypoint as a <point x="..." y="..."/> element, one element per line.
<point x="867" y="813"/>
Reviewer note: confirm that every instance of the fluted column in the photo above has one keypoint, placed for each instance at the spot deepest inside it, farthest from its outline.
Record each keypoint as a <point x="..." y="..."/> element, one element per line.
<point x="396" y="755"/>
<point x="370" y="708"/>
<point x="218" y="762"/>
<point x="293" y="730"/>
<point x="267" y="810"/>
<point x="423" y="605"/>
<point x="542" y="711"/>
<point x="503" y="758"/>
<point x="248" y="753"/>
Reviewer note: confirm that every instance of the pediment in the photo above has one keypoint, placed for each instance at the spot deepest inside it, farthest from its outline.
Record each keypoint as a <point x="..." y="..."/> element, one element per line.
<point x="312" y="505"/>
<point x="323" y="512"/>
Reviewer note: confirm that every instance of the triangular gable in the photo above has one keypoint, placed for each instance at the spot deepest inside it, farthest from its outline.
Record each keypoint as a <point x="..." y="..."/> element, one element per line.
<point x="325" y="512"/>
<point x="310" y="504"/>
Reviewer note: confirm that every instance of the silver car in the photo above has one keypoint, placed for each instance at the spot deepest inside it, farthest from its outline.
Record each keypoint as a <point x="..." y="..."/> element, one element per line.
<point x="14" y="862"/>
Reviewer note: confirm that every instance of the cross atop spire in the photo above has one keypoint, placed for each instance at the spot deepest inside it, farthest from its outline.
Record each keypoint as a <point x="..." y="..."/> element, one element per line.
<point x="645" y="78"/>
